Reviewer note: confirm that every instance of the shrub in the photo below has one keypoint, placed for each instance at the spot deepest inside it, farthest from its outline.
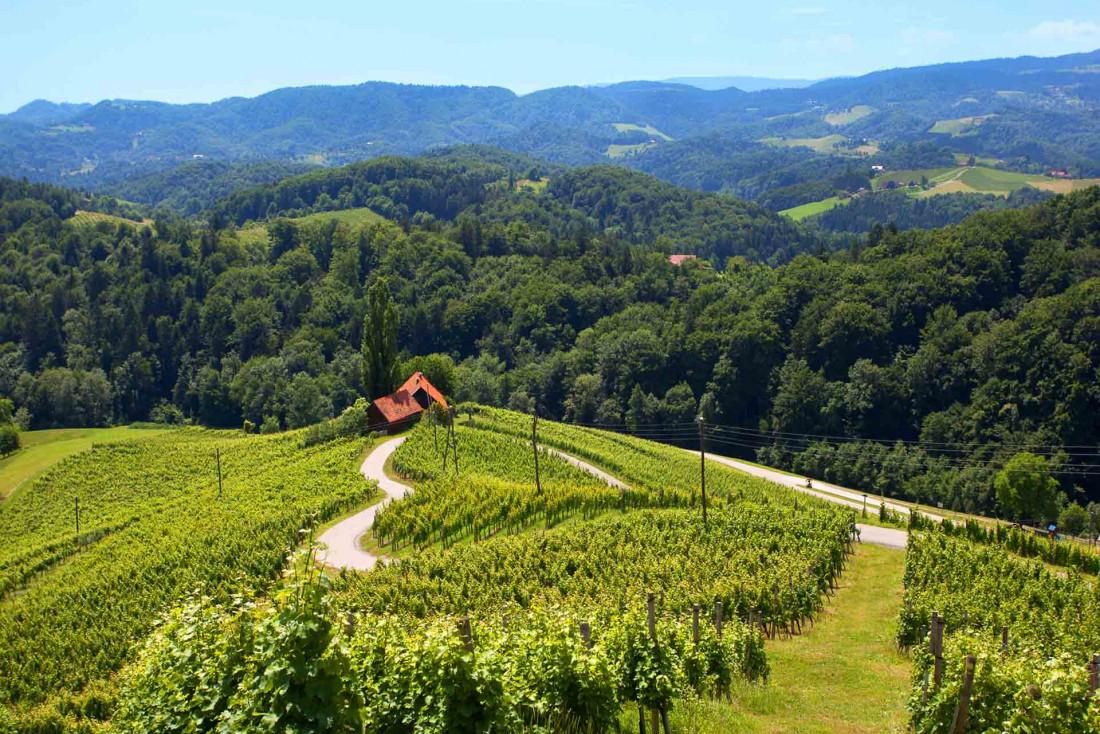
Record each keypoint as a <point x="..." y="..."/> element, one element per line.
<point x="9" y="439"/>
<point x="167" y="413"/>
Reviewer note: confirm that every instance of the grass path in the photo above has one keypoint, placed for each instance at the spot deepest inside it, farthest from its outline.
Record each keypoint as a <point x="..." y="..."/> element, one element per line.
<point x="843" y="676"/>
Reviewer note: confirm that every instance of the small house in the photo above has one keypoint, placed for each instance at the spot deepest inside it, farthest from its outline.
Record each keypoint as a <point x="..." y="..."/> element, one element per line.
<point x="680" y="259"/>
<point x="404" y="405"/>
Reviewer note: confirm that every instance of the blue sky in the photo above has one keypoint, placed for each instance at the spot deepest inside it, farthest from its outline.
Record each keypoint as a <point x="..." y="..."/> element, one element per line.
<point x="201" y="50"/>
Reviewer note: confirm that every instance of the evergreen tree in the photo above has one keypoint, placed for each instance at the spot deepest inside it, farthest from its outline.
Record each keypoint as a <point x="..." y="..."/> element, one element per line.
<point x="380" y="372"/>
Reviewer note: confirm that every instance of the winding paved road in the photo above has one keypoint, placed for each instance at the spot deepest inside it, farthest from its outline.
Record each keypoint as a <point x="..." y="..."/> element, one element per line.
<point x="889" y="537"/>
<point x="340" y="543"/>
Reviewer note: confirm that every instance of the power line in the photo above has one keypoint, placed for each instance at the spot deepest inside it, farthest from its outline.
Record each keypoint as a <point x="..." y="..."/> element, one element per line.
<point x="938" y="446"/>
<point x="763" y="440"/>
<point x="676" y="428"/>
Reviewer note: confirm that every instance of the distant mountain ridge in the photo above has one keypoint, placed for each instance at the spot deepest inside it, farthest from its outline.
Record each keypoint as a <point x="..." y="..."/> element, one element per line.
<point x="744" y="83"/>
<point x="45" y="112"/>
<point x="1030" y="111"/>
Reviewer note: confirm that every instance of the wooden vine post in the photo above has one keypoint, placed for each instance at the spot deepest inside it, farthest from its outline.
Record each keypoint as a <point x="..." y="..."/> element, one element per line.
<point x="936" y="645"/>
<point x="586" y="635"/>
<point x="451" y="441"/>
<point x="695" y="623"/>
<point x="703" y="467"/>
<point x="535" y="449"/>
<point x="651" y="621"/>
<point x="962" y="713"/>
<point x="466" y="633"/>
<point x="218" y="459"/>
<point x="1094" y="675"/>
<point x="435" y="423"/>
<point x="76" y="508"/>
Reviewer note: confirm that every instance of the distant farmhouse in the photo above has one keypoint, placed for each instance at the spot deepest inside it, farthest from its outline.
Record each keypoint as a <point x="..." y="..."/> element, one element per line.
<point x="680" y="259"/>
<point x="404" y="405"/>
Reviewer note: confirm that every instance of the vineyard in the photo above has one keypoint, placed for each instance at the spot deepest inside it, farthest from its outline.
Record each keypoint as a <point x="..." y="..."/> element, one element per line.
<point x="494" y="492"/>
<point x="516" y="599"/>
<point x="668" y="475"/>
<point x="155" y="524"/>
<point x="1032" y="634"/>
<point x="521" y="602"/>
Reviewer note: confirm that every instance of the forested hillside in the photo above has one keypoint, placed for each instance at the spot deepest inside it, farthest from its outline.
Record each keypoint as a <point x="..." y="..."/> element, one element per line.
<point x="1031" y="113"/>
<point x="981" y="337"/>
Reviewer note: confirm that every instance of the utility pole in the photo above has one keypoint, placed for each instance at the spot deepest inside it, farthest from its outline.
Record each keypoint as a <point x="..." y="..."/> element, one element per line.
<point x="432" y="414"/>
<point x="535" y="447"/>
<point x="451" y="442"/>
<point x="703" y="466"/>
<point x="218" y="456"/>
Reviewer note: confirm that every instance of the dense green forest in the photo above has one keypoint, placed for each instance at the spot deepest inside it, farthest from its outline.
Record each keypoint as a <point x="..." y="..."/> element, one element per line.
<point x="952" y="349"/>
<point x="194" y="187"/>
<point x="864" y="213"/>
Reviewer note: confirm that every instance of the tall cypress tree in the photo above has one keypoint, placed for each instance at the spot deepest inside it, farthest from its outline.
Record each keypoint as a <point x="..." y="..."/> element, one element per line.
<point x="380" y="374"/>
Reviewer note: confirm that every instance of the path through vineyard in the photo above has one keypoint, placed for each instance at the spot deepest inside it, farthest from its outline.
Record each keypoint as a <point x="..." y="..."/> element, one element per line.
<point x="843" y="675"/>
<point x="824" y="490"/>
<point x="888" y="537"/>
<point x="341" y="546"/>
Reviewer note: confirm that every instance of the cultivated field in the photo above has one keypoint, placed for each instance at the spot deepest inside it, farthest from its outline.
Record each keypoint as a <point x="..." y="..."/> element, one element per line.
<point x="798" y="213"/>
<point x="850" y="115"/>
<point x="516" y="598"/>
<point x="90" y="219"/>
<point x="42" y="449"/>
<point x="959" y="125"/>
<point x="628" y="127"/>
<point x="824" y="144"/>
<point x="978" y="179"/>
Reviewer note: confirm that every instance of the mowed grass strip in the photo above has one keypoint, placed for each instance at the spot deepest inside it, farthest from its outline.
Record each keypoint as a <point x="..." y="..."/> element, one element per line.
<point x="844" y="676"/>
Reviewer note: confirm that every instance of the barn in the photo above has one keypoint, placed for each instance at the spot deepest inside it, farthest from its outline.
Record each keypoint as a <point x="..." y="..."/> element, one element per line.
<point x="401" y="407"/>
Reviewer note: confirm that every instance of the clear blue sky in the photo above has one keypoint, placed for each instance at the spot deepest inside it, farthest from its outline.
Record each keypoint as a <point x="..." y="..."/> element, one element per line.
<point x="201" y="50"/>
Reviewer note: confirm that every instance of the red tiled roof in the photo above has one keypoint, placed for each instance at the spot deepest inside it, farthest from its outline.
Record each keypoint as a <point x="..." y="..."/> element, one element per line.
<point x="402" y="403"/>
<point x="679" y="259"/>
<point x="416" y="381"/>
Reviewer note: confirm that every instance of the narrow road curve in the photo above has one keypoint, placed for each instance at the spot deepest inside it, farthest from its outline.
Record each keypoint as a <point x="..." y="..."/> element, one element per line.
<point x="340" y="543"/>
<point x="888" y="537"/>
<point x="823" y="490"/>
